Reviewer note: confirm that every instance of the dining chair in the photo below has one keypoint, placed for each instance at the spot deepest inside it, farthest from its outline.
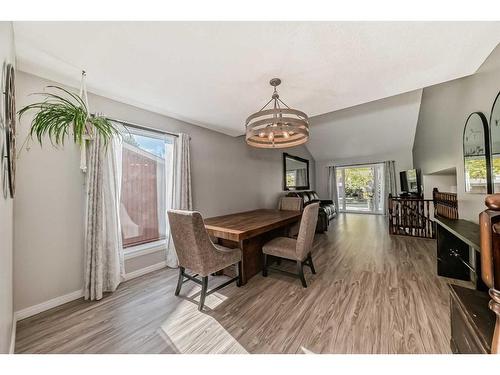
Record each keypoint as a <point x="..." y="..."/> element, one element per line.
<point x="298" y="250"/>
<point x="197" y="253"/>
<point x="291" y="204"/>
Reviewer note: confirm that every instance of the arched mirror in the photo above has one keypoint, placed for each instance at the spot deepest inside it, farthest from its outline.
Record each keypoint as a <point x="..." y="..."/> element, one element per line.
<point x="495" y="144"/>
<point x="477" y="155"/>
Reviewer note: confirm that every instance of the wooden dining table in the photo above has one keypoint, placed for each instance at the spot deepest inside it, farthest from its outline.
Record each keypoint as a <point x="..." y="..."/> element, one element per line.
<point x="249" y="231"/>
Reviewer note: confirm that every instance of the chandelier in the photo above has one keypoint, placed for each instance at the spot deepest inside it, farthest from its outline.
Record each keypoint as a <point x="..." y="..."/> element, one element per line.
<point x="279" y="126"/>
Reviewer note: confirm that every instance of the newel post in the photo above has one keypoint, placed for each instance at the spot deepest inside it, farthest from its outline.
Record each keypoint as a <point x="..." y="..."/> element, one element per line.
<point x="489" y="222"/>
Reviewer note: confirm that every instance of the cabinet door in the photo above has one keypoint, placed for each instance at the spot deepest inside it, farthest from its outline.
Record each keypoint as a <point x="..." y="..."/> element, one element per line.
<point x="464" y="340"/>
<point x="449" y="264"/>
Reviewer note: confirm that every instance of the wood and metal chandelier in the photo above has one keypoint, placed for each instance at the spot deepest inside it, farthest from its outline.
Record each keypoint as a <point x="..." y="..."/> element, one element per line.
<point x="278" y="126"/>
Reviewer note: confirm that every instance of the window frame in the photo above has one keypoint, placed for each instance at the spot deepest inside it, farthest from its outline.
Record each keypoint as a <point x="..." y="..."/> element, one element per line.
<point x="158" y="244"/>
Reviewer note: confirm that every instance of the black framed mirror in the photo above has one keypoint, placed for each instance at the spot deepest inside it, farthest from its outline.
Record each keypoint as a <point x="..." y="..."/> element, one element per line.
<point x="476" y="146"/>
<point x="295" y="173"/>
<point x="495" y="144"/>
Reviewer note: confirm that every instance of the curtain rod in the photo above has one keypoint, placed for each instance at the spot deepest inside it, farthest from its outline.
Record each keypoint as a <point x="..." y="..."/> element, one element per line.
<point x="354" y="165"/>
<point x="128" y="123"/>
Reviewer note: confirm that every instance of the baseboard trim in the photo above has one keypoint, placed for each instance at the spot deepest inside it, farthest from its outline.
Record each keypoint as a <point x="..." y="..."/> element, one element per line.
<point x="54" y="302"/>
<point x="12" y="346"/>
<point x="145" y="270"/>
<point x="47" y="305"/>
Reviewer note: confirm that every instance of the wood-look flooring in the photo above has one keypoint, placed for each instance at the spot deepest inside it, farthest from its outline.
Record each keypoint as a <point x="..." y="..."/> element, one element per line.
<point x="373" y="293"/>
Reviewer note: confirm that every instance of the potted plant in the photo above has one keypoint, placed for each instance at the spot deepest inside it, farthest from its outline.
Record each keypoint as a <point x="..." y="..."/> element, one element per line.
<point x="63" y="114"/>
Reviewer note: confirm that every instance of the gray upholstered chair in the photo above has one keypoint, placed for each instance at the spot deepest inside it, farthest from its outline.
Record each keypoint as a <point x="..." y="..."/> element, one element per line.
<point x="291" y="204"/>
<point x="298" y="249"/>
<point x="198" y="253"/>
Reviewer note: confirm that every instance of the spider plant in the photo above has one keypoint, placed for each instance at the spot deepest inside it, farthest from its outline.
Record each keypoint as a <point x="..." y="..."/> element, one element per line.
<point x="63" y="114"/>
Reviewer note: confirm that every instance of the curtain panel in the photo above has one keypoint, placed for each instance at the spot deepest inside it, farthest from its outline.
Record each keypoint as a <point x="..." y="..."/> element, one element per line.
<point x="182" y="191"/>
<point x="390" y="181"/>
<point x="104" y="267"/>
<point x="332" y="186"/>
<point x="301" y="177"/>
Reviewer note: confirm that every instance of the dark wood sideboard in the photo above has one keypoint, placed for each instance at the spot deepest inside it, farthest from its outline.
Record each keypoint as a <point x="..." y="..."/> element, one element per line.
<point x="472" y="322"/>
<point x="458" y="251"/>
<point x="458" y="257"/>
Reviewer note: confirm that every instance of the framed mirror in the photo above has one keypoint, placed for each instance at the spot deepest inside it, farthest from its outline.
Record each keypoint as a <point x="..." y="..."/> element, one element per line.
<point x="3" y="141"/>
<point x="295" y="173"/>
<point x="495" y="144"/>
<point x="477" y="166"/>
<point x="8" y="131"/>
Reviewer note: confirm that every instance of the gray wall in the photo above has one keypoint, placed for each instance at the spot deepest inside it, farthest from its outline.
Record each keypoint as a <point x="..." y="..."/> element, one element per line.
<point x="443" y="112"/>
<point x="6" y="289"/>
<point x="227" y="176"/>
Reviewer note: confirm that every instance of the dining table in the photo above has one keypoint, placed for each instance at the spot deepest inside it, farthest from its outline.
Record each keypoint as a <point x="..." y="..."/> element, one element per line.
<point x="249" y="231"/>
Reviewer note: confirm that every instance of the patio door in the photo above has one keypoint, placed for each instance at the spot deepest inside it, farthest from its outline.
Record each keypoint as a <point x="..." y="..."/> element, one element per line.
<point x="361" y="188"/>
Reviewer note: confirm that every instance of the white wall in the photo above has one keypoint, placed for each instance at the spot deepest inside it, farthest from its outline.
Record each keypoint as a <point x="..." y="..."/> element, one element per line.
<point x="227" y="176"/>
<point x="374" y="128"/>
<point x="443" y="112"/>
<point x="373" y="132"/>
<point x="402" y="158"/>
<point x="445" y="183"/>
<point x="6" y="220"/>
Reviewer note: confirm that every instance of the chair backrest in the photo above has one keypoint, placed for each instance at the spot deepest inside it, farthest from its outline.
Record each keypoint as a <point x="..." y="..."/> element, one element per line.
<point x="290" y="203"/>
<point x="192" y="244"/>
<point x="307" y="229"/>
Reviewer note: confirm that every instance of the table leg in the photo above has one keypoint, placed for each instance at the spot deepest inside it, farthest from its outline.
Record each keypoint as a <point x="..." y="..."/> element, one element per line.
<point x="251" y="257"/>
<point x="251" y="249"/>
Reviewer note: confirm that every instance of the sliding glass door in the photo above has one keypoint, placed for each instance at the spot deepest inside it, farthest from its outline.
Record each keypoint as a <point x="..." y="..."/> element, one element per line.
<point x="361" y="188"/>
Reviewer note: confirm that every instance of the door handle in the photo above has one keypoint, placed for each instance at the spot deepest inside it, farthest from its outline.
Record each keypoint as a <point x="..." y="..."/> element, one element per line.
<point x="466" y="264"/>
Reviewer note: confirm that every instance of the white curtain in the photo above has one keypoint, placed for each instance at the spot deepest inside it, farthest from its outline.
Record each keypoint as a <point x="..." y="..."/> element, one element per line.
<point x="390" y="181"/>
<point x="332" y="186"/>
<point x="182" y="193"/>
<point x="104" y="267"/>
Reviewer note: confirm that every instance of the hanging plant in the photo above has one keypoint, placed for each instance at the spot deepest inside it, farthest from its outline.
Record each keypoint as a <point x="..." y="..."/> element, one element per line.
<point x="64" y="114"/>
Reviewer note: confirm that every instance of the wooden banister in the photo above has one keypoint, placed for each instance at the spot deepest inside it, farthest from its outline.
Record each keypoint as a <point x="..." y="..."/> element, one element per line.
<point x="410" y="217"/>
<point x="445" y="204"/>
<point x="489" y="223"/>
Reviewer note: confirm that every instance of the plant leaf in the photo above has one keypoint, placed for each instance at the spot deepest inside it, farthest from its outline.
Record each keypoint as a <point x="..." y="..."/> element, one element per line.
<point x="59" y="114"/>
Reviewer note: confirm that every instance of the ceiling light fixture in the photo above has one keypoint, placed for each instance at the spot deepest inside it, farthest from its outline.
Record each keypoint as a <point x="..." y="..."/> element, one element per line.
<point x="277" y="127"/>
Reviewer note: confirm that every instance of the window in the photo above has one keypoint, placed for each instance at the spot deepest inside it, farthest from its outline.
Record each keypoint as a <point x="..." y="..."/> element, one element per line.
<point x="146" y="186"/>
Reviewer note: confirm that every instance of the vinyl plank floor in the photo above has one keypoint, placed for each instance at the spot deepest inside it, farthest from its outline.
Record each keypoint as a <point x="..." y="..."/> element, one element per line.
<point x="373" y="293"/>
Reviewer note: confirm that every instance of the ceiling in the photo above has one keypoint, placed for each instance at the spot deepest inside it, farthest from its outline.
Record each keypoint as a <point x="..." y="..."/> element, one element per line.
<point x="214" y="74"/>
<point x="374" y="128"/>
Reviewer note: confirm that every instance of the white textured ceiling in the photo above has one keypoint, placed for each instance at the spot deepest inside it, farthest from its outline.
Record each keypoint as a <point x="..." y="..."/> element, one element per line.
<point x="374" y="128"/>
<point x="215" y="74"/>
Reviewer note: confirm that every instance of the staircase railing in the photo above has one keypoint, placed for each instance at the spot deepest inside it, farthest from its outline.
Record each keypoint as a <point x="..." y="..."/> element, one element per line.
<point x="445" y="204"/>
<point x="411" y="217"/>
